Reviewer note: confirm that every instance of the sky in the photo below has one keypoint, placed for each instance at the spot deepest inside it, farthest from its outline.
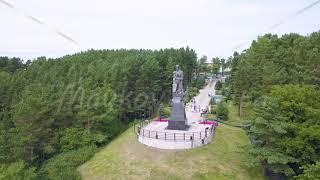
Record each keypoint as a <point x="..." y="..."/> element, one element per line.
<point x="214" y="28"/>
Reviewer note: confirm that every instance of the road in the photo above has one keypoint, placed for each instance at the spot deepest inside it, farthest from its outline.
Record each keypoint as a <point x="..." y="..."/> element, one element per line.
<point x="201" y="99"/>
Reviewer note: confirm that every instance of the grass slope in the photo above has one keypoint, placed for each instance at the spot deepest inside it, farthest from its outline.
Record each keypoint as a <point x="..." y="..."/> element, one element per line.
<point x="125" y="158"/>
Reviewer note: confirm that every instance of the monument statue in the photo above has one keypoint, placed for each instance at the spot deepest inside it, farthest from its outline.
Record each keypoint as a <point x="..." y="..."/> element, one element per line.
<point x="177" y="86"/>
<point x="178" y="118"/>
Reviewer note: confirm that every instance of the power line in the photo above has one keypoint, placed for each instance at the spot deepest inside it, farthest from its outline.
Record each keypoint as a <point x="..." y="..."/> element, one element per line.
<point x="294" y="14"/>
<point x="281" y="22"/>
<point x="38" y="21"/>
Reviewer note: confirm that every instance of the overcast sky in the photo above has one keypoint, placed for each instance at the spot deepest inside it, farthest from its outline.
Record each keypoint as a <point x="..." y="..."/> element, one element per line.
<point x="211" y="27"/>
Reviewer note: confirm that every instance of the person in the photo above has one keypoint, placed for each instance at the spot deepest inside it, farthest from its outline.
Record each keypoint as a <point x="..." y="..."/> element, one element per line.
<point x="199" y="108"/>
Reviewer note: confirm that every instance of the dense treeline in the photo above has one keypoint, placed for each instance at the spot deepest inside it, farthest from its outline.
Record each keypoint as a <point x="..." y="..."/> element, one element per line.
<point x="54" y="112"/>
<point x="281" y="77"/>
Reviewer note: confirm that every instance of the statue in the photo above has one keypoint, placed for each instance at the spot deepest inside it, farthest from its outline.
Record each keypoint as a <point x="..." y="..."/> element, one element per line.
<point x="177" y="86"/>
<point x="178" y="120"/>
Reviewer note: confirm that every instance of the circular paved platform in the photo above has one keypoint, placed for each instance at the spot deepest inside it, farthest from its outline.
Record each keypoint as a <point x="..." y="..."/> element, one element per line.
<point x="156" y="134"/>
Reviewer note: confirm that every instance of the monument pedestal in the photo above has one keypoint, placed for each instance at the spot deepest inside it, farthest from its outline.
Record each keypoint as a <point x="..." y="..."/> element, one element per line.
<point x="178" y="119"/>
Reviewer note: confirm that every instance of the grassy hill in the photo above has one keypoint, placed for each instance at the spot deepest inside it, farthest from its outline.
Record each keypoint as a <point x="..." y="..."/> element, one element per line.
<point x="125" y="158"/>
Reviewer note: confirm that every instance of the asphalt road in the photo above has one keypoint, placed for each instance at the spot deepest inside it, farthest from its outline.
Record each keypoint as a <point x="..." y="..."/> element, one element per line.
<point x="201" y="99"/>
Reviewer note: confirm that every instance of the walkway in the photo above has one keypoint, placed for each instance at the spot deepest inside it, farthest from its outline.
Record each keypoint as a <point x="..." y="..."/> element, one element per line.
<point x="201" y="99"/>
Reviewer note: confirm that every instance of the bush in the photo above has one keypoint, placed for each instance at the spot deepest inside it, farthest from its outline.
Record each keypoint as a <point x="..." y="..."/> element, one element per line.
<point x="64" y="165"/>
<point x="199" y="82"/>
<point x="213" y="109"/>
<point x="75" y="138"/>
<point x="161" y="111"/>
<point x="192" y="93"/>
<point x="224" y="90"/>
<point x="17" y="170"/>
<point x="222" y="111"/>
<point x="218" y="92"/>
<point x="167" y="111"/>
<point x="310" y="172"/>
<point x="218" y="85"/>
<point x="164" y="111"/>
<point x="212" y="101"/>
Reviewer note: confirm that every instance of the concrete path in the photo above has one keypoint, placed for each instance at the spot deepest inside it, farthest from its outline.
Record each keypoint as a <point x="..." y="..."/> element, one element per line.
<point x="201" y="99"/>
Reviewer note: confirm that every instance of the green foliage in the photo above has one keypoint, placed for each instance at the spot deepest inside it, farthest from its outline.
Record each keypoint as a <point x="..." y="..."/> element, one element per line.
<point x="218" y="85"/>
<point x="310" y="172"/>
<point x="164" y="111"/>
<point x="216" y="64"/>
<point x="202" y="65"/>
<point x="63" y="166"/>
<point x="286" y="128"/>
<point x="52" y="106"/>
<point x="75" y="138"/>
<point x="193" y="91"/>
<point x="227" y="89"/>
<point x="17" y="171"/>
<point x="222" y="111"/>
<point x="279" y="76"/>
<point x="167" y="111"/>
<point x="272" y="61"/>
<point x="213" y="101"/>
<point x="214" y="109"/>
<point x="199" y="82"/>
<point x="161" y="112"/>
<point x="223" y="65"/>
<point x="11" y="64"/>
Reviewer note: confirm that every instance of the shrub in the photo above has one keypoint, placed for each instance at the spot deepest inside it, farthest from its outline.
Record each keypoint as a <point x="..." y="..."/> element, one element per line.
<point x="218" y="85"/>
<point x="213" y="109"/>
<point x="164" y="111"/>
<point x="199" y="82"/>
<point x="161" y="111"/>
<point x="222" y="111"/>
<point x="167" y="111"/>
<point x="64" y="165"/>
<point x="192" y="93"/>
<point x="74" y="138"/>
<point x="310" y="172"/>
<point x="17" y="170"/>
<point x="212" y="101"/>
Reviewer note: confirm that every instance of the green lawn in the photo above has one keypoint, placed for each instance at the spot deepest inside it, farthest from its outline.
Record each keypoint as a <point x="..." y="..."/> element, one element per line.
<point x="125" y="158"/>
<point x="233" y="114"/>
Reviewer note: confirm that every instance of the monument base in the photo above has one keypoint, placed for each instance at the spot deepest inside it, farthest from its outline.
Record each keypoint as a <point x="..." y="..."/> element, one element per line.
<point x="177" y="125"/>
<point x="178" y="119"/>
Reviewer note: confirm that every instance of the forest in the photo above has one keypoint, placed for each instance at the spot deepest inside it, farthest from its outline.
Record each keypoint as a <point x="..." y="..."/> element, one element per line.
<point x="280" y="77"/>
<point x="56" y="113"/>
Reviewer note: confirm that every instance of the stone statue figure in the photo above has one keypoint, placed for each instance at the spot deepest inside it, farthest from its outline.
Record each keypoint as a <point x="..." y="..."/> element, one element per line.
<point x="177" y="86"/>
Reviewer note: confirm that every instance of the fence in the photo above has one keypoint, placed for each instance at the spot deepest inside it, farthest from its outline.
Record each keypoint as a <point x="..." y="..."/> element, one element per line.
<point x="170" y="136"/>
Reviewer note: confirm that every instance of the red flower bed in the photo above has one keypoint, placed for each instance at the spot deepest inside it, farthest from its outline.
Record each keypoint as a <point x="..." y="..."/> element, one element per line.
<point x="214" y="123"/>
<point x="161" y="120"/>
